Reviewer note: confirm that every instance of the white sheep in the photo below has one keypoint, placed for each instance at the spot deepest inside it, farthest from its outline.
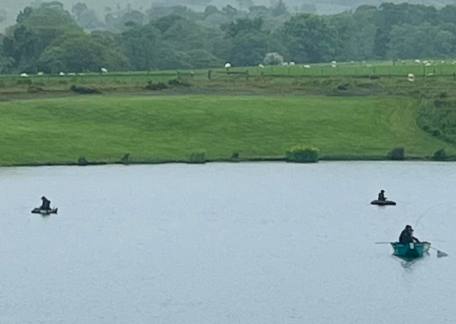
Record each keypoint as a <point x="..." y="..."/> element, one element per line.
<point x="227" y="65"/>
<point x="261" y="66"/>
<point x="62" y="74"/>
<point x="417" y="61"/>
<point x="411" y="77"/>
<point x="104" y="70"/>
<point x="40" y="73"/>
<point x="292" y="63"/>
<point x="307" y="66"/>
<point x="24" y="75"/>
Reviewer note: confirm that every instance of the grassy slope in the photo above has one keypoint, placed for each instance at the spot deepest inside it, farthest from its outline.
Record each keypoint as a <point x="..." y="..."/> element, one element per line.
<point x="103" y="128"/>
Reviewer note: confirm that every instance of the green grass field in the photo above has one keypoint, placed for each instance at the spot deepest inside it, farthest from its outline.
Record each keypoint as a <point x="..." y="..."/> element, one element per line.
<point x="171" y="128"/>
<point x="352" y="111"/>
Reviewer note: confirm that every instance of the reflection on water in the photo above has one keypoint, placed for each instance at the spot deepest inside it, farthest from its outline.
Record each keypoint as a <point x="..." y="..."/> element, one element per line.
<point x="225" y="243"/>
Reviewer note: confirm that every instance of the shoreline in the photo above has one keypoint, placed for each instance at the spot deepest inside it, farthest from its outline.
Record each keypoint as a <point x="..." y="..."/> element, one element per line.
<point x="230" y="161"/>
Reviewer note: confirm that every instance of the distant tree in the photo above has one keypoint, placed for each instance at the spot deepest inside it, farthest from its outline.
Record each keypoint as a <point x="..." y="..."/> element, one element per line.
<point x="78" y="9"/>
<point x="141" y="46"/>
<point x="210" y="10"/>
<point x="309" y="38"/>
<point x="354" y="34"/>
<point x="85" y="17"/>
<point x="80" y="53"/>
<point x="230" y="11"/>
<point x="6" y="63"/>
<point x="248" y="41"/>
<point x="124" y="19"/>
<point x="447" y="14"/>
<point x="35" y="30"/>
<point x="248" y="49"/>
<point x="242" y="26"/>
<point x="422" y="41"/>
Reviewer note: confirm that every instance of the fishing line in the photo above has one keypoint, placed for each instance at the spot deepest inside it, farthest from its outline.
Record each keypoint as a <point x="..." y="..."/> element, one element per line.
<point x="424" y="214"/>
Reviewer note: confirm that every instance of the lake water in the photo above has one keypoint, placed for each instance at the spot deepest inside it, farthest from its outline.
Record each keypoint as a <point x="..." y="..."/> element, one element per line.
<point x="226" y="243"/>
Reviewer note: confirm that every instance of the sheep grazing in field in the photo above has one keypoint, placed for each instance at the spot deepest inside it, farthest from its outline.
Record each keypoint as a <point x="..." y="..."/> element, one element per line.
<point x="411" y="77"/>
<point x="24" y="75"/>
<point x="292" y="63"/>
<point x="333" y="62"/>
<point x="285" y="64"/>
<point x="417" y="61"/>
<point x="71" y="74"/>
<point x="428" y="64"/>
<point x="261" y="66"/>
<point x="104" y="70"/>
<point x="307" y="66"/>
<point x="40" y="73"/>
<point x="333" y="65"/>
<point x="62" y="74"/>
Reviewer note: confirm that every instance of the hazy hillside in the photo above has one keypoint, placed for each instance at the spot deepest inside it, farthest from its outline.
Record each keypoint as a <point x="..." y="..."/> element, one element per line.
<point x="10" y="8"/>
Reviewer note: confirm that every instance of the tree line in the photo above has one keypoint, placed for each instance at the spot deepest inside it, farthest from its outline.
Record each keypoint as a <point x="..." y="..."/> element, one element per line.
<point x="47" y="38"/>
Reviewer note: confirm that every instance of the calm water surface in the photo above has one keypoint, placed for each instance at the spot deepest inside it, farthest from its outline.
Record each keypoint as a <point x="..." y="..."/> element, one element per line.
<point x="226" y="243"/>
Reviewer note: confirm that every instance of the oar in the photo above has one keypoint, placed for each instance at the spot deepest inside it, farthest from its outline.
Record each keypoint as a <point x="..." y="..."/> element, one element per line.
<point x="440" y="253"/>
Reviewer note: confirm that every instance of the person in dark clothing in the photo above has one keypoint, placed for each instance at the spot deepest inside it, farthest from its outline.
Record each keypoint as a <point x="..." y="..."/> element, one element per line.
<point x="407" y="237"/>
<point x="381" y="195"/>
<point x="46" y="203"/>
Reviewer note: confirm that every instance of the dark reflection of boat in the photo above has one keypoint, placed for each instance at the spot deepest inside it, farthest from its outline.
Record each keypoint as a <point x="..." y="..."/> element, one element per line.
<point x="383" y="202"/>
<point x="44" y="211"/>
<point x="410" y="251"/>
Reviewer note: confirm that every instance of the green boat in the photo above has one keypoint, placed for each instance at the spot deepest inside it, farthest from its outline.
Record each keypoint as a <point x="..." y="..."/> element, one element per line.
<point x="411" y="250"/>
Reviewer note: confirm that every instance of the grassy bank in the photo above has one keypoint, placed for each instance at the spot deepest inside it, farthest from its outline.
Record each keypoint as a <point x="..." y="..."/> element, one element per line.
<point x="377" y="79"/>
<point x="172" y="128"/>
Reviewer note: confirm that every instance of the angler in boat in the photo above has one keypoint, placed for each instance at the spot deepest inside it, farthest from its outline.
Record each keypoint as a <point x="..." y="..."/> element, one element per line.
<point x="45" y="208"/>
<point x="407" y="237"/>
<point x="409" y="247"/>
<point x="382" y="200"/>
<point x="45" y="204"/>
